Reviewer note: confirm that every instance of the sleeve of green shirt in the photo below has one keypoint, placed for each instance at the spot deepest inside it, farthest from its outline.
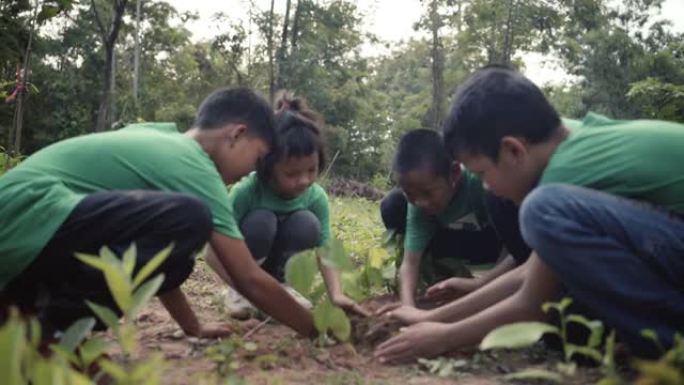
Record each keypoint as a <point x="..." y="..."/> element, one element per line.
<point x="419" y="230"/>
<point x="321" y="209"/>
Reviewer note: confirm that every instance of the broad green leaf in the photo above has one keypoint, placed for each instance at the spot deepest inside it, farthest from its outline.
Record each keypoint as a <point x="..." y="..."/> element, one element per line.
<point x="595" y="328"/>
<point x="105" y="314"/>
<point x="12" y="349"/>
<point x="517" y="335"/>
<point x="335" y="256"/>
<point x="118" y="282"/>
<point x="143" y="294"/>
<point x="91" y="350"/>
<point x="152" y="265"/>
<point x="76" y="333"/>
<point x="300" y="271"/>
<point x="534" y="374"/>
<point x="328" y="317"/>
<point x="129" y="259"/>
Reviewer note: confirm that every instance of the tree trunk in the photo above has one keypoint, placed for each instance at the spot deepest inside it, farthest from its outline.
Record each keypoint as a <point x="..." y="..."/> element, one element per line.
<point x="282" y="50"/>
<point x="295" y="25"/>
<point x="507" y="49"/>
<point x="269" y="43"/>
<point x="136" y="57"/>
<point x="437" y="69"/>
<point x="109" y="41"/>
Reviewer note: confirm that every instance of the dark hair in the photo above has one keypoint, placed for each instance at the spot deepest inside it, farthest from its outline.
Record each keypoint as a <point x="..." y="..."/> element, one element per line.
<point x="299" y="132"/>
<point x="497" y="101"/>
<point x="237" y="105"/>
<point x="422" y="148"/>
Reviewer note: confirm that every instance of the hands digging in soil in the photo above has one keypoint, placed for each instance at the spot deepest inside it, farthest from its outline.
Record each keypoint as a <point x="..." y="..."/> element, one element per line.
<point x="422" y="340"/>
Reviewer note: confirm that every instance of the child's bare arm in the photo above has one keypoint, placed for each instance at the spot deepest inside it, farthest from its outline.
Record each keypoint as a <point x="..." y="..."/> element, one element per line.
<point x="331" y="277"/>
<point x="178" y="307"/>
<point x="408" y="277"/>
<point x="258" y="287"/>
<point x="429" y="339"/>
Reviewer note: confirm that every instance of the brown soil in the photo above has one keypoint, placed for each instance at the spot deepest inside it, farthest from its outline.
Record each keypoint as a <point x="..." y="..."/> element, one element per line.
<point x="278" y="356"/>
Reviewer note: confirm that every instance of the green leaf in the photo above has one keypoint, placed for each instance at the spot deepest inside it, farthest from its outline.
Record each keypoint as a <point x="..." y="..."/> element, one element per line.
<point x="47" y="12"/>
<point x="105" y="315"/>
<point x="534" y="374"/>
<point x="152" y="265"/>
<point x="595" y="328"/>
<point x="76" y="333"/>
<point x="558" y="306"/>
<point x="68" y="355"/>
<point x="517" y="335"/>
<point x="143" y="294"/>
<point x="12" y="349"/>
<point x="91" y="350"/>
<point x="300" y="271"/>
<point x="652" y="336"/>
<point x="328" y="317"/>
<point x="129" y="259"/>
<point x="571" y="350"/>
<point x="116" y="371"/>
<point x="92" y="261"/>
<point x="335" y="256"/>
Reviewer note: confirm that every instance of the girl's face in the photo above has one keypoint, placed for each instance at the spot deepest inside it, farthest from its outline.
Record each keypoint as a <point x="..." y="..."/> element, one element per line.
<point x="294" y="174"/>
<point x="429" y="192"/>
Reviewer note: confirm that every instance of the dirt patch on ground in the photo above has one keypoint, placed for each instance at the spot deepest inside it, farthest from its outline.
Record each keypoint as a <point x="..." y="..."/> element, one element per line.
<point x="269" y="353"/>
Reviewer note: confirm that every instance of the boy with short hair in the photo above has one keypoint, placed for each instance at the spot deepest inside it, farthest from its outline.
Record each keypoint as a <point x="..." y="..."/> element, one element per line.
<point x="602" y="208"/>
<point x="442" y="210"/>
<point x="145" y="184"/>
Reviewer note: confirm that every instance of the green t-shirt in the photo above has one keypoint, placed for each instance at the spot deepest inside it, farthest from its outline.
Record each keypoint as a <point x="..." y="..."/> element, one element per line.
<point x="466" y="211"/>
<point x="249" y="194"/>
<point x="639" y="159"/>
<point x="37" y="196"/>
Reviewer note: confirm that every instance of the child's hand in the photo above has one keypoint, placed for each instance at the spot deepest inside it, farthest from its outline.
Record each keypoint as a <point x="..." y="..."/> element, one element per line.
<point x="425" y="340"/>
<point x="349" y="306"/>
<point x="213" y="330"/>
<point x="451" y="289"/>
<point x="408" y="314"/>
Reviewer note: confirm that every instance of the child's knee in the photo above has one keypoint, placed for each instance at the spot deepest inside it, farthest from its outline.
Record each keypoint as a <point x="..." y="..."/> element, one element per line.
<point x="301" y="230"/>
<point x="540" y="213"/>
<point x="393" y="210"/>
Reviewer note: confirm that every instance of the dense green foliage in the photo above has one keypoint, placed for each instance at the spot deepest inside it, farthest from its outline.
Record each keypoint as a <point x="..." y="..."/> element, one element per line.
<point x="624" y="61"/>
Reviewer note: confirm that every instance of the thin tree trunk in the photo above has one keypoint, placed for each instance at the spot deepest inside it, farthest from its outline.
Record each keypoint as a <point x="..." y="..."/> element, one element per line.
<point x="437" y="69"/>
<point x="136" y="57"/>
<point x="282" y="50"/>
<point x="506" y="51"/>
<point x="269" y="42"/>
<point x="295" y="25"/>
<point x="19" y="112"/>
<point x="109" y="42"/>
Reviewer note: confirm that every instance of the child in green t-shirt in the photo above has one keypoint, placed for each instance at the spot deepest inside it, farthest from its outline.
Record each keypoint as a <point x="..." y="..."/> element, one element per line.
<point x="601" y="206"/>
<point x="445" y="221"/>
<point x="280" y="209"/>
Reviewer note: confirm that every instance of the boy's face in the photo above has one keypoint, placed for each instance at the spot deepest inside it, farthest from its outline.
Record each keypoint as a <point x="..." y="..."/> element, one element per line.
<point x="429" y="192"/>
<point x="294" y="174"/>
<point x="512" y="176"/>
<point x="238" y="153"/>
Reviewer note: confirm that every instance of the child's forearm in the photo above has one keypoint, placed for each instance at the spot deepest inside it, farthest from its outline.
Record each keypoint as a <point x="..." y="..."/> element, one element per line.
<point x="178" y="307"/>
<point x="482" y="298"/>
<point x="507" y="264"/>
<point x="408" y="278"/>
<point x="540" y="284"/>
<point x="331" y="278"/>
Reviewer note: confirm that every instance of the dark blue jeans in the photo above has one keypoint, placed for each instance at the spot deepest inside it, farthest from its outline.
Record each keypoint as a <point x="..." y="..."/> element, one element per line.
<point x="621" y="260"/>
<point x="273" y="239"/>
